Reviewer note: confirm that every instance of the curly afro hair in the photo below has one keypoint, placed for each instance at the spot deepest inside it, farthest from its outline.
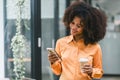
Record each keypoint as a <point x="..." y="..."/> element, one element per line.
<point x="94" y="21"/>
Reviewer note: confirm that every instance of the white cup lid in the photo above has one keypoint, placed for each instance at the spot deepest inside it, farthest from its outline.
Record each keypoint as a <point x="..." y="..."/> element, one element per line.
<point x="83" y="59"/>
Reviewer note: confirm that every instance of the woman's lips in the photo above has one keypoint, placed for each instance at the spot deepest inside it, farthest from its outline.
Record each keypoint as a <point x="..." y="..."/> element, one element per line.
<point x="73" y="31"/>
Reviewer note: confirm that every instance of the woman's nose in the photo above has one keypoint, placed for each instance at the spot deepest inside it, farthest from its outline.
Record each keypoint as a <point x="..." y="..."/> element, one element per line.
<point x="74" y="27"/>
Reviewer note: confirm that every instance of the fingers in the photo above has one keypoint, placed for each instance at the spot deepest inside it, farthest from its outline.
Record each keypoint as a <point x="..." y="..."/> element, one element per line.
<point x="52" y="58"/>
<point x="87" y="69"/>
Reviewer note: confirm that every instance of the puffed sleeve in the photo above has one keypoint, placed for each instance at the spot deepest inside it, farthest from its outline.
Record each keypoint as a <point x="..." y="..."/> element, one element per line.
<point x="97" y="64"/>
<point x="56" y="67"/>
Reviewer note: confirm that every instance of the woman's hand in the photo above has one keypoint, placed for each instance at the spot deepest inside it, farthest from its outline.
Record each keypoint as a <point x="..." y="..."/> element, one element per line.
<point x="87" y="69"/>
<point x="52" y="58"/>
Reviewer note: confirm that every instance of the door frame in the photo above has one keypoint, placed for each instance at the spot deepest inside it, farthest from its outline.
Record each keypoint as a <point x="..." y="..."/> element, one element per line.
<point x="36" y="39"/>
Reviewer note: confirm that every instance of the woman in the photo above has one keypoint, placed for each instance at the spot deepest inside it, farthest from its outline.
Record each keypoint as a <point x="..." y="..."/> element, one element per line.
<point x="87" y="27"/>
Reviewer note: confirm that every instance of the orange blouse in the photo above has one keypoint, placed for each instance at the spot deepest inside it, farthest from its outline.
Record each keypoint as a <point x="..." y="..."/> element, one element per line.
<point x="70" y="53"/>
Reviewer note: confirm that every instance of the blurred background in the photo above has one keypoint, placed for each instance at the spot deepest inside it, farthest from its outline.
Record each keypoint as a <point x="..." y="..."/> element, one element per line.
<point x="42" y="26"/>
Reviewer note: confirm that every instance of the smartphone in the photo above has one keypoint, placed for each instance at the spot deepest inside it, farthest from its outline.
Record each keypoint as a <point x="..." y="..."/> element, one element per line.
<point x="52" y="51"/>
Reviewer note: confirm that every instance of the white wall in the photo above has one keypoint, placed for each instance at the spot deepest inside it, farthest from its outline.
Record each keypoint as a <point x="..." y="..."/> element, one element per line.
<point x="1" y="41"/>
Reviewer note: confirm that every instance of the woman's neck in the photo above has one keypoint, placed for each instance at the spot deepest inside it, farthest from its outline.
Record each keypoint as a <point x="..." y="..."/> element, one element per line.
<point x="78" y="37"/>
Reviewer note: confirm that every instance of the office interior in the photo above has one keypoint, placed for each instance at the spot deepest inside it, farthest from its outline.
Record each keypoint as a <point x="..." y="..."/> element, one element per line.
<point x="41" y="26"/>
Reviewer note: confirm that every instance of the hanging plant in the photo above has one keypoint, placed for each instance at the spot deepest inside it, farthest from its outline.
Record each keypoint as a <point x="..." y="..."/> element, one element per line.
<point x="18" y="44"/>
<point x="18" y="48"/>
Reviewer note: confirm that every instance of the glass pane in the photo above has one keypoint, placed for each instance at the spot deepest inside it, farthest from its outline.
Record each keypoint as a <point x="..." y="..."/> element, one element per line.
<point x="17" y="38"/>
<point x="62" y="6"/>
<point x="110" y="44"/>
<point x="48" y="34"/>
<point x="47" y="21"/>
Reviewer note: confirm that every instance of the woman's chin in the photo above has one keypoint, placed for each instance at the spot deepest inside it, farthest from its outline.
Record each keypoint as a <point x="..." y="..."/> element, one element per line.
<point x="73" y="34"/>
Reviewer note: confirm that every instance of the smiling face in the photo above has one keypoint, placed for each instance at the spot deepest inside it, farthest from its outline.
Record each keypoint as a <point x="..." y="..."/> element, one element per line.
<point x="76" y="27"/>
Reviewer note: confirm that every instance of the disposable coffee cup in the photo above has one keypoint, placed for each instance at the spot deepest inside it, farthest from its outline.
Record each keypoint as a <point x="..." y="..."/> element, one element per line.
<point x="83" y="61"/>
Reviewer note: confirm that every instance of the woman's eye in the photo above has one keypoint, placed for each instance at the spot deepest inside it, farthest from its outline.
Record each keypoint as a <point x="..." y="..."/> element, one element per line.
<point x="72" y="22"/>
<point x="78" y="26"/>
